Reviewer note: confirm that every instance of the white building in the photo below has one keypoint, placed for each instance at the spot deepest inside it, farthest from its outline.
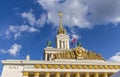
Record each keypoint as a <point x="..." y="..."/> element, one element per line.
<point x="61" y="61"/>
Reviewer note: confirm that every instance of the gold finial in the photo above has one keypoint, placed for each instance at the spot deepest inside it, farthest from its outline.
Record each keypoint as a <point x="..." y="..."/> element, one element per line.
<point x="61" y="29"/>
<point x="60" y="14"/>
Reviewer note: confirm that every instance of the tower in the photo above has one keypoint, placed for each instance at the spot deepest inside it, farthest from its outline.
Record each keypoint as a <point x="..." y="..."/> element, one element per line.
<point x="62" y="39"/>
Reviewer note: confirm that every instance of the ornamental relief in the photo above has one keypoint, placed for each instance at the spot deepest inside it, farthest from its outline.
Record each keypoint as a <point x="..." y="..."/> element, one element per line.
<point x="12" y="66"/>
<point x="78" y="53"/>
<point x="29" y="66"/>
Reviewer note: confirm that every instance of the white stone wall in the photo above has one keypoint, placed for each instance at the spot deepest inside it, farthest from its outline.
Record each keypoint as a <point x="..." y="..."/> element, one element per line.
<point x="12" y="71"/>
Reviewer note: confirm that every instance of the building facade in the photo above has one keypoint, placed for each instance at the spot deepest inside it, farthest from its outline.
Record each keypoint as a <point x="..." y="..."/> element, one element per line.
<point x="61" y="61"/>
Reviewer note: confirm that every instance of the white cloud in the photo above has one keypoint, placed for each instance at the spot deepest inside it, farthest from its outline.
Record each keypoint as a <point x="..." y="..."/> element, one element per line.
<point x="116" y="20"/>
<point x="41" y="21"/>
<point x="18" y="30"/>
<point x="74" y="34"/>
<point x="74" y="12"/>
<point x="3" y="51"/>
<point x="103" y="11"/>
<point x="115" y="58"/>
<point x="82" y="13"/>
<point x="13" y="50"/>
<point x="30" y="17"/>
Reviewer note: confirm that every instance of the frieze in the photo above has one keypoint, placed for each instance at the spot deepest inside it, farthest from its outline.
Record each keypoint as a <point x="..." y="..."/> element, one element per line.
<point x="12" y="66"/>
<point x="77" y="53"/>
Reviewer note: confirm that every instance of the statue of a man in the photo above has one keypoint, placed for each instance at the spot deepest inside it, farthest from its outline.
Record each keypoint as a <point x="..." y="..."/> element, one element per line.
<point x="49" y="43"/>
<point x="79" y="44"/>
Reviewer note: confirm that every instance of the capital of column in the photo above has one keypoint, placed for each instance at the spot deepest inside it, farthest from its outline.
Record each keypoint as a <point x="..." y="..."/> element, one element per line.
<point x="77" y="74"/>
<point x="57" y="74"/>
<point x="47" y="74"/>
<point x="87" y="75"/>
<point x="36" y="74"/>
<point x="67" y="74"/>
<point x="105" y="75"/>
<point x="25" y="74"/>
<point x="96" y="75"/>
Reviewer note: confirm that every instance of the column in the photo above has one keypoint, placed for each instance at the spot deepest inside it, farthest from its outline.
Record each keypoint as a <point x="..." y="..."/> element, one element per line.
<point x="46" y="56"/>
<point x="67" y="74"/>
<point x="77" y="74"/>
<point x="36" y="74"/>
<point x="47" y="74"/>
<point x="57" y="74"/>
<point x="51" y="57"/>
<point x="105" y="75"/>
<point x="66" y="44"/>
<point x="87" y="75"/>
<point x="61" y="44"/>
<point x="58" y="42"/>
<point x="25" y="74"/>
<point x="96" y="75"/>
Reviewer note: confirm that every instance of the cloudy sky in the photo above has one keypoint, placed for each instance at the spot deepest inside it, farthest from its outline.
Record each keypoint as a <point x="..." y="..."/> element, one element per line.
<point x="27" y="25"/>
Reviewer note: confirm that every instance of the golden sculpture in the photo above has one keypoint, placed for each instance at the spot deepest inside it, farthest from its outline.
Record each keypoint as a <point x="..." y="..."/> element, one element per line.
<point x="78" y="52"/>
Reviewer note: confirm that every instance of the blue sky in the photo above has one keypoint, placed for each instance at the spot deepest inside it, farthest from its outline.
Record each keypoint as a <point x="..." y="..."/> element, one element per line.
<point x="27" y="25"/>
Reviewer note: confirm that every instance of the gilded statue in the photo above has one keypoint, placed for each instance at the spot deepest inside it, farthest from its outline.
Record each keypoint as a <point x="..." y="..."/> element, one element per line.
<point x="77" y="52"/>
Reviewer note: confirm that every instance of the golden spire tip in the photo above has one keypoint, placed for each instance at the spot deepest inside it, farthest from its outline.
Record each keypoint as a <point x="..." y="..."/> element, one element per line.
<point x="60" y="13"/>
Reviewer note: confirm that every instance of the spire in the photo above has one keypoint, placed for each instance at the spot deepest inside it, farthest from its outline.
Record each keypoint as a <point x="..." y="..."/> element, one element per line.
<point x="61" y="29"/>
<point x="60" y="14"/>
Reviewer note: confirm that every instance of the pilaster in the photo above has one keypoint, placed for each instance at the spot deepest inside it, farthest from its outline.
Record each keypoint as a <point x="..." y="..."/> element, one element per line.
<point x="47" y="74"/>
<point x="77" y="74"/>
<point x="96" y="75"/>
<point x="25" y="74"/>
<point x="105" y="75"/>
<point x="36" y="74"/>
<point x="67" y="74"/>
<point x="87" y="75"/>
<point x="57" y="74"/>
